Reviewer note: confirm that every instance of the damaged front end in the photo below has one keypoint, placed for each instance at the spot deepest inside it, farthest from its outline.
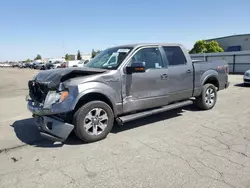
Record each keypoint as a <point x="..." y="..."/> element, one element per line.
<point x="51" y="101"/>
<point x="45" y="100"/>
<point x="49" y="107"/>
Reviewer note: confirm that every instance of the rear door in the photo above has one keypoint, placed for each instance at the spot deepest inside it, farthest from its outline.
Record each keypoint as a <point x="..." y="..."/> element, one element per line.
<point x="180" y="73"/>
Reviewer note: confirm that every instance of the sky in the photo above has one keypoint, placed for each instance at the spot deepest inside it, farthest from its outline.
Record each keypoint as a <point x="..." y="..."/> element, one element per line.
<point x="53" y="28"/>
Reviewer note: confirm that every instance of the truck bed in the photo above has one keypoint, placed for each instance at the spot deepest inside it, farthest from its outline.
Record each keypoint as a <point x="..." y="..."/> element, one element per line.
<point x="216" y="68"/>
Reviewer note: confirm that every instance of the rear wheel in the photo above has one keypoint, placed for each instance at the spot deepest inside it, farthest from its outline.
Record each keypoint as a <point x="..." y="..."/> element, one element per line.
<point x="93" y="121"/>
<point x="208" y="97"/>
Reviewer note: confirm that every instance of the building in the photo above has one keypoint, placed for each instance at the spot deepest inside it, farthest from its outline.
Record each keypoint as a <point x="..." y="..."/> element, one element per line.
<point x="234" y="42"/>
<point x="72" y="57"/>
<point x="84" y="56"/>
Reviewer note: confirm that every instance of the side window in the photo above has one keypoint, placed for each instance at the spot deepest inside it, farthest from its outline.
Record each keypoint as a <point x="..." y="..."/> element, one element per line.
<point x="174" y="55"/>
<point x="151" y="57"/>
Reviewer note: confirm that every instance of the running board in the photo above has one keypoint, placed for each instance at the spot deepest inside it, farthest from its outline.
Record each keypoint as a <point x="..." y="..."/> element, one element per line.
<point x="131" y="117"/>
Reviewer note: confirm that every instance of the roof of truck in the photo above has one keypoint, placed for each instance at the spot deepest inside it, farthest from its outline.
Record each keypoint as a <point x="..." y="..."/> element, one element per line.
<point x="148" y="44"/>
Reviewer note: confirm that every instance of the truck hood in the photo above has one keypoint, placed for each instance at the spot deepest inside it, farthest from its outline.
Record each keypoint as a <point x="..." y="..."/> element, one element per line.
<point x="53" y="77"/>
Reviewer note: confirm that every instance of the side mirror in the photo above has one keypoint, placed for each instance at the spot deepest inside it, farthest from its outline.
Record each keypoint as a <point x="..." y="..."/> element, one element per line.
<point x="135" y="67"/>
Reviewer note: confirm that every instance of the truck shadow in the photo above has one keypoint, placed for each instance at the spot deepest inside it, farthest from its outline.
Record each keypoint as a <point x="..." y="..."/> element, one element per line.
<point x="147" y="121"/>
<point x="27" y="132"/>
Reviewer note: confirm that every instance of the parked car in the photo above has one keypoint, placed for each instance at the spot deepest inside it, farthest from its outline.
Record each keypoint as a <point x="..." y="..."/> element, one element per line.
<point x="246" y="78"/>
<point x="82" y="63"/>
<point x="20" y="65"/>
<point x="39" y="65"/>
<point x="75" y="63"/>
<point x="30" y="65"/>
<point x="15" y="65"/>
<point x="142" y="79"/>
<point x="72" y="63"/>
<point x="23" y="65"/>
<point x="54" y="65"/>
<point x="4" y="65"/>
<point x="64" y="64"/>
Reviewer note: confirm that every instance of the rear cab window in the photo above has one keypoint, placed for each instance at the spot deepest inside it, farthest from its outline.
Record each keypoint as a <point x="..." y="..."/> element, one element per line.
<point x="174" y="55"/>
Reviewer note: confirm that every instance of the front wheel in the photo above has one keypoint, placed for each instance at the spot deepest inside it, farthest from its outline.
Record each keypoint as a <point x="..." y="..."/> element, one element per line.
<point x="93" y="121"/>
<point x="208" y="97"/>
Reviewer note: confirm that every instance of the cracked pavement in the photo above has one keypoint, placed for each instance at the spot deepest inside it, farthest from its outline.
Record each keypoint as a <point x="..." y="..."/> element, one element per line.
<point x="179" y="149"/>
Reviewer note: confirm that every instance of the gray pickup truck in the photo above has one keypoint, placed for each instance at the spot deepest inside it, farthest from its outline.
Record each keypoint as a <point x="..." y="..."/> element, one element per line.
<point x="121" y="84"/>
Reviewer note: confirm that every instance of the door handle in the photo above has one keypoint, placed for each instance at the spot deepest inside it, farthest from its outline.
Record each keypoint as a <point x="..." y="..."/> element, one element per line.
<point x="188" y="71"/>
<point x="164" y="76"/>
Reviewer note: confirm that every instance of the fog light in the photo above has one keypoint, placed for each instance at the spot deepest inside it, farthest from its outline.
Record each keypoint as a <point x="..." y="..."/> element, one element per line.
<point x="49" y="125"/>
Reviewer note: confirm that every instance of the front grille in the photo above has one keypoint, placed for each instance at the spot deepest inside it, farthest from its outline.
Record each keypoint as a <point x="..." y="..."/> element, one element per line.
<point x="37" y="91"/>
<point x="246" y="80"/>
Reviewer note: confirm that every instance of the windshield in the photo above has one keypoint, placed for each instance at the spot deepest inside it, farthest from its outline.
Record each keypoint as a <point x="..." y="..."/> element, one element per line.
<point x="110" y="58"/>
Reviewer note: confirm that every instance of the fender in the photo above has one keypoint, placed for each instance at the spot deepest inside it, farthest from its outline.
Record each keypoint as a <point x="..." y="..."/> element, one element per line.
<point x="208" y="74"/>
<point x="98" y="87"/>
<point x="204" y="77"/>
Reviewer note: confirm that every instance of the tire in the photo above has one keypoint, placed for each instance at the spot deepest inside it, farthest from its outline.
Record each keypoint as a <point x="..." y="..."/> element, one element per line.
<point x="81" y="120"/>
<point x="203" y="101"/>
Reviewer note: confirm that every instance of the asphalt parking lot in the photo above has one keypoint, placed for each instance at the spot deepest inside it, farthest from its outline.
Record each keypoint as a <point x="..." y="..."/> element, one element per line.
<point x="181" y="148"/>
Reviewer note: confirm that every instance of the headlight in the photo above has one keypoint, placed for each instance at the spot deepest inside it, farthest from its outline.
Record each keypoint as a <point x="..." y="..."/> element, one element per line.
<point x="247" y="74"/>
<point x="63" y="95"/>
<point x="55" y="97"/>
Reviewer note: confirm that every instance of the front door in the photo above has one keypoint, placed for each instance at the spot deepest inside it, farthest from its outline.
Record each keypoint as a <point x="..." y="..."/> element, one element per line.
<point x="150" y="88"/>
<point x="180" y="74"/>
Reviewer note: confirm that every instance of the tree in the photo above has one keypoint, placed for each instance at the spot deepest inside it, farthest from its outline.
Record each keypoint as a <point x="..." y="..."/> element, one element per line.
<point x="38" y="57"/>
<point x="28" y="60"/>
<point x="79" y="57"/>
<point x="67" y="58"/>
<point x="201" y="46"/>
<point x="213" y="46"/>
<point x="94" y="53"/>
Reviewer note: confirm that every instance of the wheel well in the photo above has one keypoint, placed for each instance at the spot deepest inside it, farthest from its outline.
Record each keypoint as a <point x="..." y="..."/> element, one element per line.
<point x="91" y="97"/>
<point x="214" y="81"/>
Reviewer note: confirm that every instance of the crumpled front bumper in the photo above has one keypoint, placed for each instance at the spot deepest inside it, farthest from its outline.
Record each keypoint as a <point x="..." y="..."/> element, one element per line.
<point x="37" y="110"/>
<point x="53" y="128"/>
<point x="50" y="126"/>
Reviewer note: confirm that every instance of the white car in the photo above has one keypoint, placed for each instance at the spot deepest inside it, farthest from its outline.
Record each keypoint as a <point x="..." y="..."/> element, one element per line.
<point x="75" y="63"/>
<point x="57" y="64"/>
<point x="5" y="65"/>
<point x="82" y="63"/>
<point x="246" y="77"/>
